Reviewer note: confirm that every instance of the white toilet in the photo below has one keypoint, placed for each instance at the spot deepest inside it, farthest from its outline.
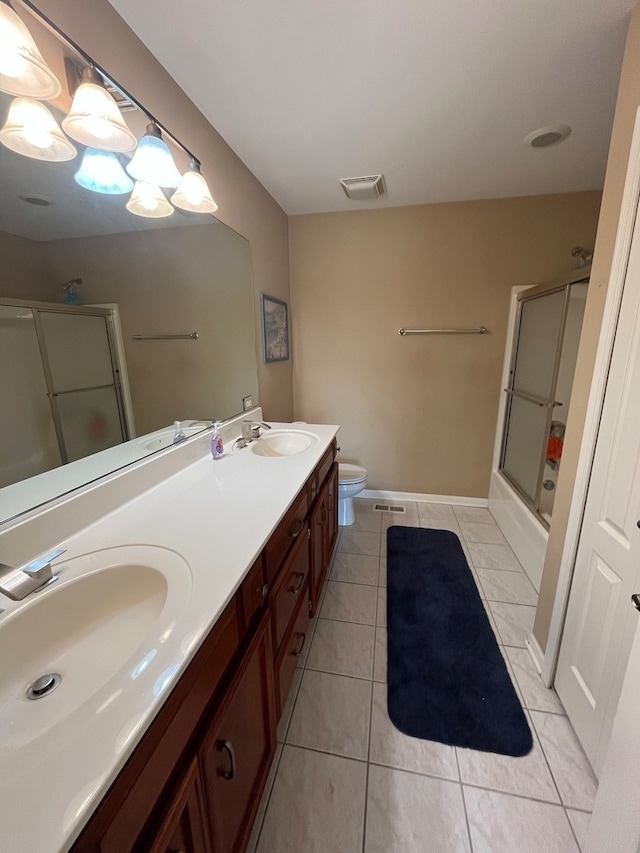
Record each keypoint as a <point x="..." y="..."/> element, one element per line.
<point x="351" y="480"/>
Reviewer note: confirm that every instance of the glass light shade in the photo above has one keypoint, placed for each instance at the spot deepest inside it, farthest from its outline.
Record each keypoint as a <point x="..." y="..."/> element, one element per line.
<point x="152" y="163"/>
<point x="101" y="172"/>
<point x="95" y="120"/>
<point x="23" y="71"/>
<point x="193" y="193"/>
<point x="32" y="131"/>
<point x="149" y="200"/>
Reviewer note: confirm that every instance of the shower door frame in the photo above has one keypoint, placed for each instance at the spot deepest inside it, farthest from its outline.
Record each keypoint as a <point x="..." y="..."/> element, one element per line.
<point x="55" y="307"/>
<point x="551" y="403"/>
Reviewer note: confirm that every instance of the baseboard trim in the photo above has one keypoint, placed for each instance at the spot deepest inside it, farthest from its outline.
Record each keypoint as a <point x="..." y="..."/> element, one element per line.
<point x="382" y="494"/>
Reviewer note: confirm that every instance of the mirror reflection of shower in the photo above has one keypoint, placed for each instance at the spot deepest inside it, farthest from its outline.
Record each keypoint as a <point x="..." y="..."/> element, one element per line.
<point x="543" y="360"/>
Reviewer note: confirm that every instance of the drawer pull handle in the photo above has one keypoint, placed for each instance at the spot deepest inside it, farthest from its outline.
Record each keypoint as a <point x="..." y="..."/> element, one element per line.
<point x="297" y="653"/>
<point x="297" y="529"/>
<point x="263" y="591"/>
<point x="228" y="774"/>
<point x="298" y="587"/>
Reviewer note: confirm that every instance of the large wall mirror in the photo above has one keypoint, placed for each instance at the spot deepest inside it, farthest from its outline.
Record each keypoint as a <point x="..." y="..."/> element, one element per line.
<point x="165" y="303"/>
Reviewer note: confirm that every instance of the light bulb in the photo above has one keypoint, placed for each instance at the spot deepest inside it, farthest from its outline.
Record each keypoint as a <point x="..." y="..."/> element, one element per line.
<point x="149" y="200"/>
<point x="23" y="71"/>
<point x="193" y="193"/>
<point x="101" y="172"/>
<point x="95" y="119"/>
<point x="31" y="130"/>
<point x="152" y="163"/>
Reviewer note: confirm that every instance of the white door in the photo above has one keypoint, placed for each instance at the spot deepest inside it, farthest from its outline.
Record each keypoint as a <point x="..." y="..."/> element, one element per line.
<point x="614" y="823"/>
<point x="600" y="622"/>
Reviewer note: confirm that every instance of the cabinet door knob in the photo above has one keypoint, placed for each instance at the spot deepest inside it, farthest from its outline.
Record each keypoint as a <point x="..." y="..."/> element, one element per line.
<point x="263" y="591"/>
<point x="298" y="652"/>
<point x="298" y="586"/>
<point x="226" y="773"/>
<point x="297" y="528"/>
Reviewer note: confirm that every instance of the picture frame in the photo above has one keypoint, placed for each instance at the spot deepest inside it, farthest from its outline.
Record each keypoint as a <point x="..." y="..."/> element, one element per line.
<point x="275" y="329"/>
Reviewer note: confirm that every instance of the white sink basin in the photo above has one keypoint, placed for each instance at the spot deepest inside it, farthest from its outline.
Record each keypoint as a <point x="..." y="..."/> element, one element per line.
<point x="284" y="442"/>
<point x="98" y="627"/>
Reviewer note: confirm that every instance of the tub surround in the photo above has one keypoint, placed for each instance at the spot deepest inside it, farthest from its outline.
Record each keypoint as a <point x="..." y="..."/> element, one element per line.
<point x="217" y="516"/>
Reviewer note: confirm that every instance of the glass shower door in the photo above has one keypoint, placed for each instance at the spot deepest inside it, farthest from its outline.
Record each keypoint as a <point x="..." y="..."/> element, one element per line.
<point x="531" y="392"/>
<point x="82" y="382"/>
<point x="29" y="444"/>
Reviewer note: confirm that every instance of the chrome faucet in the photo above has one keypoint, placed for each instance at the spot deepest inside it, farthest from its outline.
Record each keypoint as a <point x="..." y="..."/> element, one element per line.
<point x="17" y="584"/>
<point x="251" y="429"/>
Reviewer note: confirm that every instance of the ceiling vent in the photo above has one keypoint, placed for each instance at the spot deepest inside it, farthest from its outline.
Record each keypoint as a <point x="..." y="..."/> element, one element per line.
<point x="363" y="189"/>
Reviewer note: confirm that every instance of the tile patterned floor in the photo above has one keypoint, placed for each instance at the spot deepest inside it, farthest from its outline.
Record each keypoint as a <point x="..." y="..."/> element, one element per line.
<point x="344" y="780"/>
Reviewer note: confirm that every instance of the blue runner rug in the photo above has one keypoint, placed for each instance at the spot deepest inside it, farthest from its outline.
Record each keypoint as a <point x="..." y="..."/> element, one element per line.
<point x="447" y="680"/>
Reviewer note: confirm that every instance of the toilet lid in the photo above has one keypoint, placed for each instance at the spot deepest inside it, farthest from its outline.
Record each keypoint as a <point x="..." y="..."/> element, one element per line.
<point x="351" y="473"/>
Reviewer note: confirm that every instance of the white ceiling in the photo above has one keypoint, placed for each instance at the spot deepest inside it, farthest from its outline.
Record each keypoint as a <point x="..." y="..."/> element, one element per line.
<point x="436" y="94"/>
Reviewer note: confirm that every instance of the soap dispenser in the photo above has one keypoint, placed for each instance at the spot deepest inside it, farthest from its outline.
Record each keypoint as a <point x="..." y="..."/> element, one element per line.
<point x="217" y="447"/>
<point x="179" y="434"/>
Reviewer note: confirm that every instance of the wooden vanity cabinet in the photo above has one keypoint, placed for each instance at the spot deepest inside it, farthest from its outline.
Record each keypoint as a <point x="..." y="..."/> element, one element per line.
<point x="193" y="784"/>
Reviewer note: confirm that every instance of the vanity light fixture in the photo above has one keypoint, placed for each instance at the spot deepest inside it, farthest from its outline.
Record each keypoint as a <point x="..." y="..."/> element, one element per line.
<point x="23" y="71"/>
<point x="193" y="194"/>
<point x="101" y="172"/>
<point x="149" y="200"/>
<point x="95" y="119"/>
<point x="153" y="163"/>
<point x="31" y="130"/>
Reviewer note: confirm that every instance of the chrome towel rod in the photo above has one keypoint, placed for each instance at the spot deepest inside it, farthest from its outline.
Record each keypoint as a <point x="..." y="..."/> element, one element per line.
<point x="480" y="330"/>
<point x="192" y="336"/>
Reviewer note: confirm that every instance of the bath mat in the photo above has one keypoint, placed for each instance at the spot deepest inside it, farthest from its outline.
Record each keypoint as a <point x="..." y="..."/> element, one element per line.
<point x="447" y="680"/>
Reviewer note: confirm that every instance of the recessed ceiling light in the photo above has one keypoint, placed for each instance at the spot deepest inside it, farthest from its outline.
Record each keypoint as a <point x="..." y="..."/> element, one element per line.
<point x="543" y="137"/>
<point x="38" y="200"/>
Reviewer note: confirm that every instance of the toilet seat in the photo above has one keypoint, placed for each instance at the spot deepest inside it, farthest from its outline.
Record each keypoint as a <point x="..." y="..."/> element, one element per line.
<point x="348" y="474"/>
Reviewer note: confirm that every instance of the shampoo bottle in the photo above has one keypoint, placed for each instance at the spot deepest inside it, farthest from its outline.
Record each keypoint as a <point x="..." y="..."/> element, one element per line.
<point x="179" y="434"/>
<point x="217" y="447"/>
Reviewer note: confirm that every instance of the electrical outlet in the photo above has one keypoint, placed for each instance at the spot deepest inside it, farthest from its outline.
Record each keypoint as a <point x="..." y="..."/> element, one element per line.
<point x="247" y="403"/>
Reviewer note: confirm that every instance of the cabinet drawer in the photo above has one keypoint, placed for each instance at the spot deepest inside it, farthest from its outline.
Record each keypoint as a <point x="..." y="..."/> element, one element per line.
<point x="320" y="472"/>
<point x="287" y="532"/>
<point x="290" y="587"/>
<point x="293" y="645"/>
<point x="254" y="592"/>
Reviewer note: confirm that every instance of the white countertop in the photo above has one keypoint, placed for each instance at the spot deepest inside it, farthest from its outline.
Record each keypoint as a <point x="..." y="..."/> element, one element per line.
<point x="217" y="515"/>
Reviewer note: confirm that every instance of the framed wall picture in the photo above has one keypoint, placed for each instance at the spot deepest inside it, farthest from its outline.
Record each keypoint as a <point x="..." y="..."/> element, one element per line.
<point x="275" y="329"/>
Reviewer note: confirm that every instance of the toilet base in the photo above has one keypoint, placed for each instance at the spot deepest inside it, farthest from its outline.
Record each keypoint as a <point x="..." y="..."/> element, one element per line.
<point x="346" y="512"/>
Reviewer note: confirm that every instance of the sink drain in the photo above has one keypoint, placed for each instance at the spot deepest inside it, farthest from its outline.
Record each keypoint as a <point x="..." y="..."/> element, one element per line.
<point x="43" y="686"/>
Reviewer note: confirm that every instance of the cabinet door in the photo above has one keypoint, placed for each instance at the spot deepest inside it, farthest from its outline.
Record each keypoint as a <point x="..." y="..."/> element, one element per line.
<point x="332" y="507"/>
<point x="184" y="828"/>
<point x="318" y="522"/>
<point x="239" y="747"/>
<point x="288" y="589"/>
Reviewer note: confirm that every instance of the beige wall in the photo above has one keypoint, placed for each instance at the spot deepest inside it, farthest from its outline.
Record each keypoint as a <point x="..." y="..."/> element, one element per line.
<point x="626" y="108"/>
<point x="173" y="280"/>
<point x="24" y="275"/>
<point x="419" y="412"/>
<point x="243" y="202"/>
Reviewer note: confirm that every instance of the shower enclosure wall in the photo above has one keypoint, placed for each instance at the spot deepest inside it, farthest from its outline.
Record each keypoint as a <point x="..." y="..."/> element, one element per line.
<point x="537" y="392"/>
